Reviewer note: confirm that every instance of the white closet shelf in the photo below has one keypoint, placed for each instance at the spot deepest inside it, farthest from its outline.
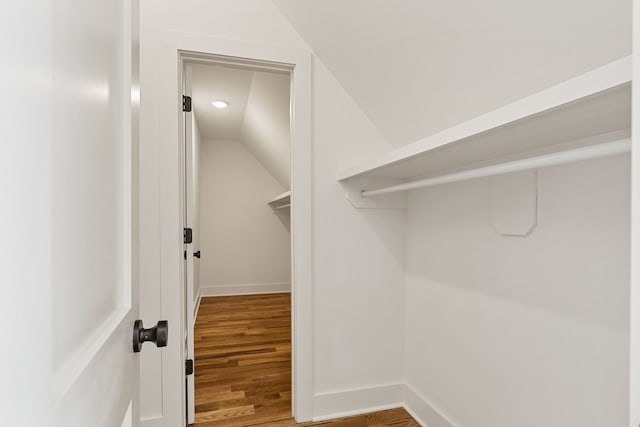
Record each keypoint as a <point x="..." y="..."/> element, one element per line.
<point x="281" y="201"/>
<point x="589" y="109"/>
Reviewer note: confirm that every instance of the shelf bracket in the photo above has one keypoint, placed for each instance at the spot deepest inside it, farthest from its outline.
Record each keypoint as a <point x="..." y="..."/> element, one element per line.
<point x="514" y="203"/>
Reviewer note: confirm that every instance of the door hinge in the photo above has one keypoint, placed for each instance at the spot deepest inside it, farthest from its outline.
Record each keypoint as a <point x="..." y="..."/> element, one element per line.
<point x="188" y="235"/>
<point x="188" y="366"/>
<point x="186" y="103"/>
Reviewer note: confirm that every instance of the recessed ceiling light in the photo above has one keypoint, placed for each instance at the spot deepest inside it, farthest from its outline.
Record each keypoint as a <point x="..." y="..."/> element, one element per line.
<point x="220" y="104"/>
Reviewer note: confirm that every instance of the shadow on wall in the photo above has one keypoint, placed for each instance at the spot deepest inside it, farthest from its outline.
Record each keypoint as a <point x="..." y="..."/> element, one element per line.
<point x="522" y="330"/>
<point x="284" y="216"/>
<point x="575" y="263"/>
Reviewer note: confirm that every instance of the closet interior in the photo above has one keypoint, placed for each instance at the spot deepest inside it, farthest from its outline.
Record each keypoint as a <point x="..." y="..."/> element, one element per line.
<point x="517" y="257"/>
<point x="238" y="191"/>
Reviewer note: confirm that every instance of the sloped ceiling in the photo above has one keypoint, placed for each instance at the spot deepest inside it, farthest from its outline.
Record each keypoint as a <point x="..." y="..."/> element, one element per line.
<point x="265" y="131"/>
<point x="419" y="66"/>
<point x="257" y="115"/>
<point x="216" y="82"/>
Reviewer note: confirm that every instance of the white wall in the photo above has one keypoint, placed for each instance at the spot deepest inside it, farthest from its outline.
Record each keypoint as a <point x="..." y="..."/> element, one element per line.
<point x="359" y="262"/>
<point x="357" y="256"/>
<point x="265" y="129"/>
<point x="244" y="244"/>
<point x="527" y="331"/>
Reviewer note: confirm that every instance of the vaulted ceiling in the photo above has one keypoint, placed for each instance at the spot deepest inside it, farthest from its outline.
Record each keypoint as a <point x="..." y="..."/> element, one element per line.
<point x="257" y="114"/>
<point x="418" y="66"/>
<point x="216" y="82"/>
<point x="415" y="67"/>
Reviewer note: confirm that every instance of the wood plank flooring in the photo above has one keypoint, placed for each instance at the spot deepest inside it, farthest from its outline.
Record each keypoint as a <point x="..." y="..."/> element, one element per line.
<point x="243" y="366"/>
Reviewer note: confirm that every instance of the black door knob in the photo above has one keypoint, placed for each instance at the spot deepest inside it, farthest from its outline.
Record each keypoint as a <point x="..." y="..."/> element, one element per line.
<point x="159" y="334"/>
<point x="196" y="254"/>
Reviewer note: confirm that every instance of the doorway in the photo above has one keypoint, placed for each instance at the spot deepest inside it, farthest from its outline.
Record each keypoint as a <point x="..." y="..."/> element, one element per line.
<point x="237" y="246"/>
<point x="163" y="252"/>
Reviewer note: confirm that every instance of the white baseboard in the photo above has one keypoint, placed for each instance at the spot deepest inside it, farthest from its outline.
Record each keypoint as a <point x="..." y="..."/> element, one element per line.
<point x="244" y="289"/>
<point x="422" y="411"/>
<point x="151" y="422"/>
<point x="340" y="404"/>
<point x="355" y="402"/>
<point x="197" y="305"/>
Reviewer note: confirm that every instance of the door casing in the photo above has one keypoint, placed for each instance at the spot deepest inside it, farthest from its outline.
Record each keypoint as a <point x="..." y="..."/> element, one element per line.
<point x="172" y="50"/>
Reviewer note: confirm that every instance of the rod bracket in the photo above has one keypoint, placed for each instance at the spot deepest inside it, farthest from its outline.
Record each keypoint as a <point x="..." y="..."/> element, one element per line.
<point x="354" y="187"/>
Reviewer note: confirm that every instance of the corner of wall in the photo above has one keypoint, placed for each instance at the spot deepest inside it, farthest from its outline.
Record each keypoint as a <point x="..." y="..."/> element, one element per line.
<point x="422" y="411"/>
<point x="379" y="398"/>
<point x="357" y="401"/>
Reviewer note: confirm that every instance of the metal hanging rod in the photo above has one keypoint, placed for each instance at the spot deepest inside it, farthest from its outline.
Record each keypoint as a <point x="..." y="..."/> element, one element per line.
<point x="561" y="157"/>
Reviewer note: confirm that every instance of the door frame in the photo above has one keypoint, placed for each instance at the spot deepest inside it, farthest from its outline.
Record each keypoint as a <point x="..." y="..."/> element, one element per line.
<point x="172" y="48"/>
<point x="634" y="291"/>
<point x="187" y="60"/>
<point x="186" y="148"/>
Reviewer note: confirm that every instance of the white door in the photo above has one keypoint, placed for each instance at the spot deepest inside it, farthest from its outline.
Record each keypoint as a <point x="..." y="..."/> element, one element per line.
<point x="191" y="250"/>
<point x="71" y="182"/>
<point x="94" y="200"/>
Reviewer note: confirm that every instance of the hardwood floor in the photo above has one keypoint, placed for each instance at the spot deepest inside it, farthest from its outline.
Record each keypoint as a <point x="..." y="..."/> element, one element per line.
<point x="243" y="366"/>
<point x="243" y="360"/>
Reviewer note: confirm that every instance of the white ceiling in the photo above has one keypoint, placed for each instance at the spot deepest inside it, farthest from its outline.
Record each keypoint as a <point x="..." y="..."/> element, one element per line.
<point x="419" y="66"/>
<point x="257" y="115"/>
<point x="266" y="129"/>
<point x="214" y="82"/>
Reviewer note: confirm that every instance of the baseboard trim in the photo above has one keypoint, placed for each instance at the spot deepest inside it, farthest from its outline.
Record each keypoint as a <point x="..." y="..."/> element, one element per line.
<point x="358" y="401"/>
<point x="422" y="411"/>
<point x="151" y="422"/>
<point x="414" y="415"/>
<point x="197" y="305"/>
<point x="244" y="289"/>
